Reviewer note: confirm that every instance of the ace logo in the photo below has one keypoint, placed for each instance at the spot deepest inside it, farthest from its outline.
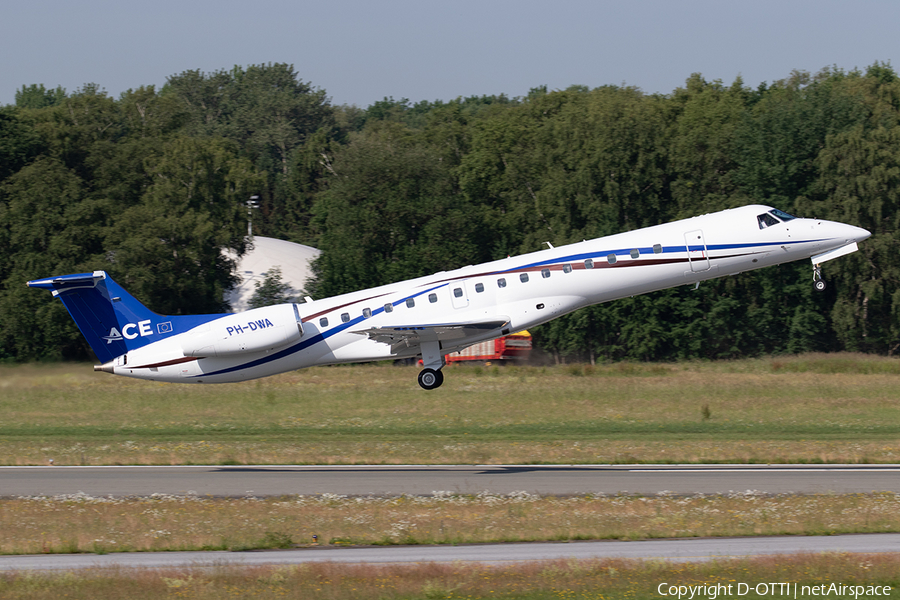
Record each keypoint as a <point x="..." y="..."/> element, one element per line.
<point x="128" y="332"/>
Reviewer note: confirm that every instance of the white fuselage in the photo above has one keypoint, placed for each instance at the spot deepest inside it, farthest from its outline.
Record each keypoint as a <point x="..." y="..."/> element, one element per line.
<point x="521" y="292"/>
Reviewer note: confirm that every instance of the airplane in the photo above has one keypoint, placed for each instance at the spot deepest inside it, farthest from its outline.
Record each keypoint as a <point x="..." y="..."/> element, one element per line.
<point x="431" y="316"/>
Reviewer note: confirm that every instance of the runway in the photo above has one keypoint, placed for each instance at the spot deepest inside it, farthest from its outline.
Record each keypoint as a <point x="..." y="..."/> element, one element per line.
<point x="363" y="480"/>
<point x="673" y="550"/>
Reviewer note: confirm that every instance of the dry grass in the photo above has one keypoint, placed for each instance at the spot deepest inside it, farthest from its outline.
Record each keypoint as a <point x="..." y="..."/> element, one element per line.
<point x="816" y="408"/>
<point x="448" y="452"/>
<point x="598" y="579"/>
<point x="166" y="523"/>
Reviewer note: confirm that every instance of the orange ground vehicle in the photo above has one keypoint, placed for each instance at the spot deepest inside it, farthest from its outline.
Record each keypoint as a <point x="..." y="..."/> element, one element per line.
<point x="512" y="347"/>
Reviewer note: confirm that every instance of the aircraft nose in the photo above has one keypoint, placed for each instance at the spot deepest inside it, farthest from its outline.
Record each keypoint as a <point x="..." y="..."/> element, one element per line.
<point x="856" y="234"/>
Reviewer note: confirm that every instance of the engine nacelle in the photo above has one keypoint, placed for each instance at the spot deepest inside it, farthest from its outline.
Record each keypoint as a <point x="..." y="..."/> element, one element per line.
<point x="258" y="330"/>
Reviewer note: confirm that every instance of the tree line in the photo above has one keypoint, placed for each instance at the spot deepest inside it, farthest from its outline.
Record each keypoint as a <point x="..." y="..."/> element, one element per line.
<point x="153" y="185"/>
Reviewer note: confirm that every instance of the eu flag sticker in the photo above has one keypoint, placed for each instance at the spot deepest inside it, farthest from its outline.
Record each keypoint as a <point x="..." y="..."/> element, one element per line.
<point x="164" y="327"/>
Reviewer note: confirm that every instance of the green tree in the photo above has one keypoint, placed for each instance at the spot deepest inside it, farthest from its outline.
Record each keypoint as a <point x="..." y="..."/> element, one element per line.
<point x="145" y="113"/>
<point x="83" y="125"/>
<point x="47" y="229"/>
<point x="167" y="249"/>
<point x="860" y="177"/>
<point x="272" y="290"/>
<point x="277" y="121"/>
<point x="151" y="186"/>
<point x="702" y="156"/>
<point x="19" y="143"/>
<point x="37" y="96"/>
<point x="391" y="212"/>
<point x="777" y="143"/>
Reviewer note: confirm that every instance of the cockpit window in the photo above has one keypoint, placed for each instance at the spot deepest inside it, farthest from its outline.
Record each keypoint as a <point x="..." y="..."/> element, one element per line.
<point x="766" y="220"/>
<point x="781" y="214"/>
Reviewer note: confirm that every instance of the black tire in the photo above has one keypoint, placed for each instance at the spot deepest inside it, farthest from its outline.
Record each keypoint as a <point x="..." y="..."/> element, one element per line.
<point x="430" y="379"/>
<point x="819" y="285"/>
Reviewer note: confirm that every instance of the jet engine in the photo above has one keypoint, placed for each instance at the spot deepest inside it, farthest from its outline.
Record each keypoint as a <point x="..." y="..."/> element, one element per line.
<point x="258" y="330"/>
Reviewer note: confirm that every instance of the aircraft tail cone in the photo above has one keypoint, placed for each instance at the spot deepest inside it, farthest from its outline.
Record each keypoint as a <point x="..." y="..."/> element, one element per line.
<point x="105" y="367"/>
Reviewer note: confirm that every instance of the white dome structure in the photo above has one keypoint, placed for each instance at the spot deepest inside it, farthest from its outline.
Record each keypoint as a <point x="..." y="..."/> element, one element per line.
<point x="295" y="261"/>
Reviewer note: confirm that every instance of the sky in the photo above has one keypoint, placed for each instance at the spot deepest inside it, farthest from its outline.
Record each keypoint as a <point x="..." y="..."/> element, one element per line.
<point x="361" y="51"/>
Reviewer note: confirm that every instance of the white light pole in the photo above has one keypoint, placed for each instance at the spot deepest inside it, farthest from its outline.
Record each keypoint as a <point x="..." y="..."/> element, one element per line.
<point x="251" y="204"/>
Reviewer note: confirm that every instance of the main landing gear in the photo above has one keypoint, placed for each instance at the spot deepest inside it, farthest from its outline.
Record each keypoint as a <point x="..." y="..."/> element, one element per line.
<point x="430" y="379"/>
<point x="433" y="360"/>
<point x="818" y="282"/>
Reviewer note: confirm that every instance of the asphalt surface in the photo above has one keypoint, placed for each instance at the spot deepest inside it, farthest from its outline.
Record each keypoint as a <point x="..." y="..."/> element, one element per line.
<point x="236" y="481"/>
<point x="673" y="550"/>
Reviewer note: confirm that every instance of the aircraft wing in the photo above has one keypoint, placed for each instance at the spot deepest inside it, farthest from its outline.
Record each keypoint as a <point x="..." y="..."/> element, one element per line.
<point x="407" y="336"/>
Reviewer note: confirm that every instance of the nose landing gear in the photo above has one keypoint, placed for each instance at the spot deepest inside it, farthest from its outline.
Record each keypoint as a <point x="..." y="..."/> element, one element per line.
<point x="818" y="282"/>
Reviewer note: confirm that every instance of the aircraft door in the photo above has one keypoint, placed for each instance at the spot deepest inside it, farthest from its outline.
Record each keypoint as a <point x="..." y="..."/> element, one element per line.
<point x="696" y="250"/>
<point x="459" y="294"/>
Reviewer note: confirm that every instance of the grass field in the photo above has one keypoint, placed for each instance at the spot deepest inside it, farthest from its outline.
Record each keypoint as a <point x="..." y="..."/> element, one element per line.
<point x="589" y="580"/>
<point x="816" y="408"/>
<point x="169" y="523"/>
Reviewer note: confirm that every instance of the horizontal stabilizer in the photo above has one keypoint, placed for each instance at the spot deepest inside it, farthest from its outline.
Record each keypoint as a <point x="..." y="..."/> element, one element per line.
<point x="68" y="282"/>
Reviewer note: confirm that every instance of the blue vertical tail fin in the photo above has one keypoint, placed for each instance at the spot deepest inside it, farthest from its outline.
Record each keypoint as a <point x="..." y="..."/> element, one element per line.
<point x="112" y="321"/>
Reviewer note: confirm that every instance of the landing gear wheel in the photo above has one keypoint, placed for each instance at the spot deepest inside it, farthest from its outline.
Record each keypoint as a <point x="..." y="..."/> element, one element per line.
<point x="430" y="379"/>
<point x="818" y="282"/>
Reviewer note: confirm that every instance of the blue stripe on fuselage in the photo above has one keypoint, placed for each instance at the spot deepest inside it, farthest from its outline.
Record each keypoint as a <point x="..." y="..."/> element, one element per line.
<point x="319" y="337"/>
<point x="649" y="250"/>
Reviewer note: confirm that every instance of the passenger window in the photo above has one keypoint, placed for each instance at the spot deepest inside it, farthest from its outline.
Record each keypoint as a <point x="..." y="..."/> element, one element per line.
<point x="479" y="287"/>
<point x="388" y="307"/>
<point x="589" y="264"/>
<point x="323" y="322"/>
<point x="567" y="268"/>
<point x="657" y="249"/>
<point x="501" y="282"/>
<point x="367" y="313"/>
<point x="432" y="298"/>
<point x="766" y="220"/>
<point x="457" y="292"/>
<point x="410" y="302"/>
<point x="611" y="259"/>
<point x="635" y="253"/>
<point x="523" y="277"/>
<point x="545" y="273"/>
<point x="345" y="317"/>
